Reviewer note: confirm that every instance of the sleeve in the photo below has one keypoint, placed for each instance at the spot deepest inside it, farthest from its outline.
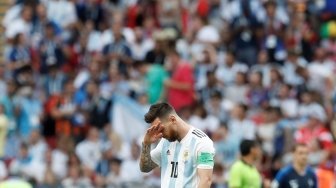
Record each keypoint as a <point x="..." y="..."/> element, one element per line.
<point x="205" y="153"/>
<point x="235" y="177"/>
<point x="279" y="178"/>
<point x="156" y="153"/>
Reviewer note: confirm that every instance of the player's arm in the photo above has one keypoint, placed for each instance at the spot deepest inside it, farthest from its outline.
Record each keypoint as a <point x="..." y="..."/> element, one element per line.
<point x="205" y="177"/>
<point x="279" y="179"/>
<point x="146" y="162"/>
<point x="153" y="134"/>
<point x="205" y="163"/>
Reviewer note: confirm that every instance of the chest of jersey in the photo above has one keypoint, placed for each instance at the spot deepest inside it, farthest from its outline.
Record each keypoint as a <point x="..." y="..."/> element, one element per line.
<point x="178" y="164"/>
<point x="299" y="182"/>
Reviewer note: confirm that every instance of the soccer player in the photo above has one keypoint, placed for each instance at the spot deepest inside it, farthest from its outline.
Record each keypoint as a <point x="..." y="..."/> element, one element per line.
<point x="185" y="154"/>
<point x="297" y="175"/>
<point x="243" y="173"/>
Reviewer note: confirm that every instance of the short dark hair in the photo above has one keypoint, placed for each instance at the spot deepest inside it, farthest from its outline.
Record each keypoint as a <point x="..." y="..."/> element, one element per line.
<point x="243" y="106"/>
<point x="297" y="145"/>
<point x="158" y="110"/>
<point x="246" y="146"/>
<point x="115" y="160"/>
<point x="138" y="64"/>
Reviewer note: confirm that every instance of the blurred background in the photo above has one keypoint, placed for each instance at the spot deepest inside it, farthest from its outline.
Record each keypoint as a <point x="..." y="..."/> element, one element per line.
<point x="77" y="76"/>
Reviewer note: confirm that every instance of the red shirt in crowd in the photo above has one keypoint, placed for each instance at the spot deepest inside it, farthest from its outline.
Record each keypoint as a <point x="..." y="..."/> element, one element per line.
<point x="180" y="98"/>
<point x="306" y="135"/>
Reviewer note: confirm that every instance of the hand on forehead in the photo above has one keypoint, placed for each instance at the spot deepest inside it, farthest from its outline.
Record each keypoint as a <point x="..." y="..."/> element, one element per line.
<point x="157" y="121"/>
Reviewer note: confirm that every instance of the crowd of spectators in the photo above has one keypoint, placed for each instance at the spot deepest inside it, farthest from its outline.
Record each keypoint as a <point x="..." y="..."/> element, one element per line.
<point x="237" y="69"/>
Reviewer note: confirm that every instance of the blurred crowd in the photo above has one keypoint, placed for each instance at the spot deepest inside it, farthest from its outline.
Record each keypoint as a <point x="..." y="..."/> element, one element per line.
<point x="237" y="69"/>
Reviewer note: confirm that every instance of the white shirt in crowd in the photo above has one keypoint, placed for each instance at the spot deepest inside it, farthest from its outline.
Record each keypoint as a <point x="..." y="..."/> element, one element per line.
<point x="139" y="50"/>
<point x="3" y="171"/>
<point x="242" y="129"/>
<point x="89" y="153"/>
<point x="38" y="150"/>
<point x="129" y="173"/>
<point x="18" y="26"/>
<point x="62" y="12"/>
<point x="210" y="123"/>
<point x="227" y="74"/>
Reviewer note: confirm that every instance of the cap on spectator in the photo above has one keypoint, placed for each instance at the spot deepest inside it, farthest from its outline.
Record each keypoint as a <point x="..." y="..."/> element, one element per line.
<point x="317" y="112"/>
<point x="208" y="34"/>
<point x="159" y="35"/>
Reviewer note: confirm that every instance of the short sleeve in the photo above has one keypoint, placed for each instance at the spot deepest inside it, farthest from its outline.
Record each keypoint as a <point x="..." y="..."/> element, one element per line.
<point x="279" y="178"/>
<point x="205" y="154"/>
<point x="235" y="177"/>
<point x="156" y="153"/>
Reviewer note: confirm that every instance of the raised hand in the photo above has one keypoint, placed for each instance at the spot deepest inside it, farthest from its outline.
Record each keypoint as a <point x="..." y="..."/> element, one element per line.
<point x="154" y="133"/>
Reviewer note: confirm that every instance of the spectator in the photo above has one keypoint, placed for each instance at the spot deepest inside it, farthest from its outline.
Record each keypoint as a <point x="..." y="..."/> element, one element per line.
<point x="215" y="107"/>
<point x="315" y="129"/>
<point x="37" y="146"/>
<point x="256" y="94"/>
<point x="141" y="45"/>
<point x="203" y="121"/>
<point x="239" y="125"/>
<point x="49" y="49"/>
<point x="23" y="163"/>
<point x="88" y="150"/>
<point x="118" y="52"/>
<point x="19" y="57"/>
<point x="207" y="64"/>
<point x="181" y="85"/>
<point x="59" y="10"/>
<point x="226" y="145"/>
<point x="103" y="166"/>
<point x="154" y="76"/>
<point x="289" y="69"/>
<point x="114" y="177"/>
<point x="75" y="178"/>
<point x="3" y="171"/>
<point x="212" y="86"/>
<point x="128" y="174"/>
<point x="237" y="93"/>
<point x="157" y="55"/>
<point x="219" y="179"/>
<point x="3" y="130"/>
<point x="21" y="25"/>
<point x="226" y="73"/>
<point x="285" y="101"/>
<point x="266" y="130"/>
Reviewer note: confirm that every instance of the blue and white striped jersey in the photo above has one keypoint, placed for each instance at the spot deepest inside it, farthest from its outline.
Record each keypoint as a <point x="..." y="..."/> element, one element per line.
<point x="179" y="161"/>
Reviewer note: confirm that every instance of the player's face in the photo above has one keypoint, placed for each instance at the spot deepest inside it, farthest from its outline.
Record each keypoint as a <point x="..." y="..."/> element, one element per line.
<point x="169" y="129"/>
<point x="301" y="155"/>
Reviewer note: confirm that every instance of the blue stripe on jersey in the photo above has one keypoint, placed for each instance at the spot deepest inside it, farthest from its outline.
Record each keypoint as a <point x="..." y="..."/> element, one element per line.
<point x="164" y="158"/>
<point x="176" y="156"/>
<point x="189" y="168"/>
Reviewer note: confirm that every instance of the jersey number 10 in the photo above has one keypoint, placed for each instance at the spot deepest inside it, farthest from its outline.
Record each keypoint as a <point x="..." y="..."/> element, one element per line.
<point x="174" y="171"/>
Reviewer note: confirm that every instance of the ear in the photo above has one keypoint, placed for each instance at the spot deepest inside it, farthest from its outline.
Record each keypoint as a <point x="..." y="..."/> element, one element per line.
<point x="172" y="119"/>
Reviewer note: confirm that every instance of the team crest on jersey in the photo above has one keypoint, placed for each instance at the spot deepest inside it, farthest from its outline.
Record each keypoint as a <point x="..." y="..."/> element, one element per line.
<point x="185" y="155"/>
<point x="310" y="183"/>
<point x="293" y="184"/>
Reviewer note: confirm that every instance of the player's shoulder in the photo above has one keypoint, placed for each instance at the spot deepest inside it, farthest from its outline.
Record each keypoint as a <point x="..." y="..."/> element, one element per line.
<point x="199" y="135"/>
<point x="310" y="171"/>
<point x="284" y="172"/>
